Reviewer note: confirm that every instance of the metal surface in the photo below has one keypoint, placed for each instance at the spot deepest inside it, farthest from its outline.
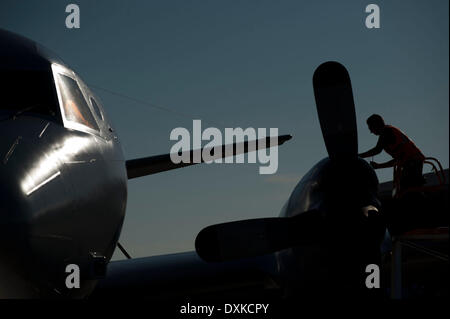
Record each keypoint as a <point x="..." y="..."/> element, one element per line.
<point x="63" y="190"/>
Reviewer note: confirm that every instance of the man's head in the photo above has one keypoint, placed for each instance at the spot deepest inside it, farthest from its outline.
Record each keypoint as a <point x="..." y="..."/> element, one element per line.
<point x="376" y="124"/>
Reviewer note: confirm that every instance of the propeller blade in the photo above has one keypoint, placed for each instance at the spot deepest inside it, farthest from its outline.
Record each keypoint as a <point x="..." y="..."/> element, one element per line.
<point x="254" y="237"/>
<point x="336" y="110"/>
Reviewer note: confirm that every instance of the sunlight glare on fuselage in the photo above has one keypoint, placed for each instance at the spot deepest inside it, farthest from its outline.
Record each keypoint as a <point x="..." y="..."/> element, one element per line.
<point x="48" y="167"/>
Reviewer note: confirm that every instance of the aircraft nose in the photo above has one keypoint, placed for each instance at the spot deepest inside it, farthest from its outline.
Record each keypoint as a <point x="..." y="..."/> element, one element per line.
<point x="15" y="213"/>
<point x="13" y="203"/>
<point x="18" y="151"/>
<point x="15" y="217"/>
<point x="22" y="205"/>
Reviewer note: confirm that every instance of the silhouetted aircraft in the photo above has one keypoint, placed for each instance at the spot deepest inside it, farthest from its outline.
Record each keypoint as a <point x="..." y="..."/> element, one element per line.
<point x="64" y="189"/>
<point x="63" y="175"/>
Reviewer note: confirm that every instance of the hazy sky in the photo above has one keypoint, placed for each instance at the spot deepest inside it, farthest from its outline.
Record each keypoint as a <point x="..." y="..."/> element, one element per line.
<point x="243" y="64"/>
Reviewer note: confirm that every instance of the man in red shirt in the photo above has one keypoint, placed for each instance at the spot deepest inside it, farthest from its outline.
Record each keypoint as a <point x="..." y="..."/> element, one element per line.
<point x="406" y="155"/>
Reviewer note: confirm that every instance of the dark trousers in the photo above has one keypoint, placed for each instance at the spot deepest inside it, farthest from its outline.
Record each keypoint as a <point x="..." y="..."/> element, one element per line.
<point x="411" y="174"/>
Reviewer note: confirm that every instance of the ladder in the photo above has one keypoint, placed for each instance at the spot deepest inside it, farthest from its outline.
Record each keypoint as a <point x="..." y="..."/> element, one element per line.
<point x="397" y="192"/>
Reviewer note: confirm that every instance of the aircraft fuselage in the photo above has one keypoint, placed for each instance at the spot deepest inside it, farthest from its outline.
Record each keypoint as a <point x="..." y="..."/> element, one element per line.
<point x="63" y="199"/>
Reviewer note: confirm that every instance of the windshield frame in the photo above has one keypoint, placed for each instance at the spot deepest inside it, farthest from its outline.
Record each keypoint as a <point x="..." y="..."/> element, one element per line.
<point x="57" y="70"/>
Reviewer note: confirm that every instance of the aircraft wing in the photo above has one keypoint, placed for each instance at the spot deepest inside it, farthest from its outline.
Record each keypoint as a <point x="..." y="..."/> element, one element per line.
<point x="160" y="163"/>
<point x="186" y="275"/>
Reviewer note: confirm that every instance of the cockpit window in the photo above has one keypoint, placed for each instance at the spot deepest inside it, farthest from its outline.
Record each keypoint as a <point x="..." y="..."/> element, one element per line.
<point x="73" y="102"/>
<point x="28" y="91"/>
<point x="96" y="108"/>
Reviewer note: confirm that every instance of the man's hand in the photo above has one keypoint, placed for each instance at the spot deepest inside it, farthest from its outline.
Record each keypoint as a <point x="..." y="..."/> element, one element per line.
<point x="375" y="165"/>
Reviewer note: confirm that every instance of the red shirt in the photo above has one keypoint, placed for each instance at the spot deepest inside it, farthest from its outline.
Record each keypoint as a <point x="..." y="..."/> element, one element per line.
<point x="398" y="145"/>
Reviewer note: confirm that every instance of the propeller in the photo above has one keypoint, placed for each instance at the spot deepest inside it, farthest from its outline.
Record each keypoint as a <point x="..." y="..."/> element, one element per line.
<point x="253" y="237"/>
<point x="247" y="238"/>
<point x="336" y="110"/>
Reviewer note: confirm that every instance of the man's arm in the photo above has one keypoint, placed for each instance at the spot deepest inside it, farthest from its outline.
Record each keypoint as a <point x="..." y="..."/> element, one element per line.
<point x="383" y="165"/>
<point x="372" y="152"/>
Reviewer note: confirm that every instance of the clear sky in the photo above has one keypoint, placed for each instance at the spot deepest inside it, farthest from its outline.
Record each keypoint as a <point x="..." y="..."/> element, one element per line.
<point x="243" y="64"/>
